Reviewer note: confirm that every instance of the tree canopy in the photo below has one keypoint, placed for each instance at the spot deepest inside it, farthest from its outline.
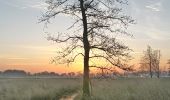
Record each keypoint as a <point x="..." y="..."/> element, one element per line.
<point x="105" y="20"/>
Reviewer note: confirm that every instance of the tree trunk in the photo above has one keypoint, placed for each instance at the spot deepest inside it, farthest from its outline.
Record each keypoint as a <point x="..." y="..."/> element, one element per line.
<point x="86" y="87"/>
<point x="150" y="65"/>
<point x="150" y="60"/>
<point x="158" y="72"/>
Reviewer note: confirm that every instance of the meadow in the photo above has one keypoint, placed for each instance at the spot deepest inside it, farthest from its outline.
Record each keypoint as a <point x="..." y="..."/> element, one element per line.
<point x="37" y="89"/>
<point x="102" y="89"/>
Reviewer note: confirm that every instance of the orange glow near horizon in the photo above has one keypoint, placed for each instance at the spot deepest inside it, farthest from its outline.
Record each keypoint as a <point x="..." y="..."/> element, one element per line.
<point x="41" y="68"/>
<point x="24" y="46"/>
<point x="34" y="66"/>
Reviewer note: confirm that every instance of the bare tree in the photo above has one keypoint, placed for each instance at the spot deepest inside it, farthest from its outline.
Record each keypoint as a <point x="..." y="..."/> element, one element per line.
<point x="150" y="61"/>
<point x="108" y="71"/>
<point x="156" y="61"/>
<point x="144" y="67"/>
<point x="104" y="72"/>
<point x="146" y="61"/>
<point x="97" y="23"/>
<point x="168" y="66"/>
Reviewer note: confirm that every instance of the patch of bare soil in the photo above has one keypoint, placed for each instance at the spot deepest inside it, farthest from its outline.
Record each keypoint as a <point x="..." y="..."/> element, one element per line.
<point x="71" y="97"/>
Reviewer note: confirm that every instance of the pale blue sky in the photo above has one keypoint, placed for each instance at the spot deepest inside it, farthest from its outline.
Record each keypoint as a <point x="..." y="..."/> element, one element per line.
<point x="21" y="37"/>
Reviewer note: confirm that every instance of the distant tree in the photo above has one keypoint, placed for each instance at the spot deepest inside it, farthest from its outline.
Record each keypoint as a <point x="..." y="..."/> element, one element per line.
<point x="14" y="73"/>
<point x="168" y="66"/>
<point x="104" y="71"/>
<point x="0" y="72"/>
<point x="71" y="74"/>
<point x="79" y="74"/>
<point x="107" y="72"/>
<point x="46" y="73"/>
<point x="150" y="61"/>
<point x="156" y="61"/>
<point x="97" y="23"/>
<point x="63" y="74"/>
<point x="146" y="61"/>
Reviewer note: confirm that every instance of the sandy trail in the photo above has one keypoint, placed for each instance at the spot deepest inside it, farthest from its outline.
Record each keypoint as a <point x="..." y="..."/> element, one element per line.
<point x="72" y="97"/>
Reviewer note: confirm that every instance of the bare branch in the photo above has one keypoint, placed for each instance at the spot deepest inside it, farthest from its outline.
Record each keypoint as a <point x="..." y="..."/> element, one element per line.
<point x="95" y="28"/>
<point x="59" y="40"/>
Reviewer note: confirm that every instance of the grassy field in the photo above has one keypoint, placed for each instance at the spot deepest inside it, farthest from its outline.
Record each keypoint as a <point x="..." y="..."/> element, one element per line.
<point x="132" y="89"/>
<point x="37" y="89"/>
<point x="53" y="89"/>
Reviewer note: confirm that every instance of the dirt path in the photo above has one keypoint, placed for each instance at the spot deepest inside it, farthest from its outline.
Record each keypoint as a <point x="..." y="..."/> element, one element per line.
<point x="71" y="97"/>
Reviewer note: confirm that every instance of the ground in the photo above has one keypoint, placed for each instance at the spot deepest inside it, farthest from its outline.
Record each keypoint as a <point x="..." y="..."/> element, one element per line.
<point x="102" y="89"/>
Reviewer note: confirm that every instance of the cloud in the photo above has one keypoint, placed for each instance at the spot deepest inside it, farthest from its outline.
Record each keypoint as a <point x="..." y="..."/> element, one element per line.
<point x="154" y="6"/>
<point x="39" y="5"/>
<point x="11" y="4"/>
<point x="17" y="58"/>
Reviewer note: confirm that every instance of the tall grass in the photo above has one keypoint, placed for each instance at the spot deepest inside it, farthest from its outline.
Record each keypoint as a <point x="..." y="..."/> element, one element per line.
<point x="36" y="89"/>
<point x="131" y="89"/>
<point x="53" y="89"/>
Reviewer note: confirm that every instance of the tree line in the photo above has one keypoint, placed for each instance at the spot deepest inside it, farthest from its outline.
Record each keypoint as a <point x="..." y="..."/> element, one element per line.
<point x="22" y="73"/>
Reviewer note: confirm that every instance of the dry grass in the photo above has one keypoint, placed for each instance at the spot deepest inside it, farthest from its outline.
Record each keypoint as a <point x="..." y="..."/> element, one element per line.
<point x="36" y="89"/>
<point x="131" y="89"/>
<point x="53" y="89"/>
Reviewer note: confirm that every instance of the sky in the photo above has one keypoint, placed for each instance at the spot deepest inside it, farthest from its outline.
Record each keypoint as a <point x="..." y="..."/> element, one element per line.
<point x="23" y="43"/>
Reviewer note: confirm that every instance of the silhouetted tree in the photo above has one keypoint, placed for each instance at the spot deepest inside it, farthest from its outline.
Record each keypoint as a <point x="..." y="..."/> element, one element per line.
<point x="150" y="61"/>
<point x="79" y="74"/>
<point x="106" y="71"/>
<point x="63" y="74"/>
<point x="0" y="72"/>
<point x="14" y="73"/>
<point x="168" y="66"/>
<point x="71" y="74"/>
<point x="46" y="73"/>
<point x="156" y="61"/>
<point x="97" y="23"/>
